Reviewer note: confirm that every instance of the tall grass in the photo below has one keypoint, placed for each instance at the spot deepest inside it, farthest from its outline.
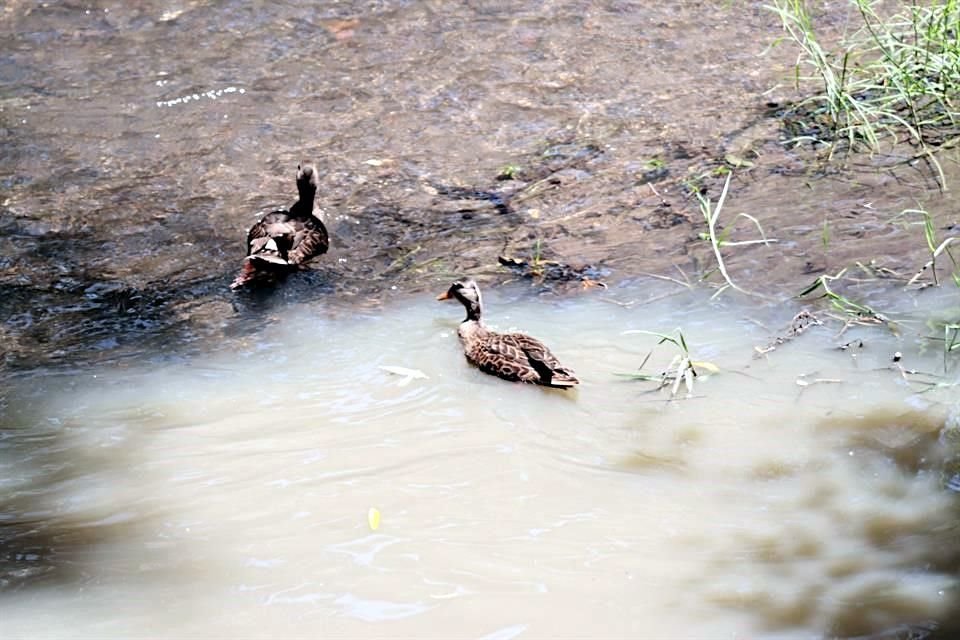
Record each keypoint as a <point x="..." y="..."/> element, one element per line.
<point x="895" y="79"/>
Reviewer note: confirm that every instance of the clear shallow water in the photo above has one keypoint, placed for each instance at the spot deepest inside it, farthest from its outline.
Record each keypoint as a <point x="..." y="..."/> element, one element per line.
<point x="228" y="495"/>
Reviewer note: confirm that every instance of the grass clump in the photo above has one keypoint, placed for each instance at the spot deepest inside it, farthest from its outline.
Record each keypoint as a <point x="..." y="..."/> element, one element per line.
<point x="894" y="79"/>
<point x="681" y="370"/>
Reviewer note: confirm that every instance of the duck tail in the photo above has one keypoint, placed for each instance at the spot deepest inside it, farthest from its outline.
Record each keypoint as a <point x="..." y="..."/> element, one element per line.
<point x="563" y="379"/>
<point x="258" y="270"/>
<point x="247" y="273"/>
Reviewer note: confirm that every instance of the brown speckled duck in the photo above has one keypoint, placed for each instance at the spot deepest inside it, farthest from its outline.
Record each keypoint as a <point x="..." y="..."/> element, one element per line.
<point x="283" y="240"/>
<point x="511" y="356"/>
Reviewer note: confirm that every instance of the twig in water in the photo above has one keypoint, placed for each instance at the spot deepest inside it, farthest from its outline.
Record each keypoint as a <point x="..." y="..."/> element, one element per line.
<point x="800" y="323"/>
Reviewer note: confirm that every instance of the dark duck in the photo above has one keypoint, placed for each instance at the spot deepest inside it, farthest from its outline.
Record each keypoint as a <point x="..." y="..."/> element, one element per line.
<point x="511" y="356"/>
<point x="283" y="240"/>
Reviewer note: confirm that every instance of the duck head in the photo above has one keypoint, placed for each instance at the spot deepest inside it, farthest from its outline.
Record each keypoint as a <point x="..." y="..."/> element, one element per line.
<point x="468" y="293"/>
<point x="306" y="179"/>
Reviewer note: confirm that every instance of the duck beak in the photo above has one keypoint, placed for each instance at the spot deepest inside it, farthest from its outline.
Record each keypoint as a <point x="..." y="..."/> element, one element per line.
<point x="444" y="296"/>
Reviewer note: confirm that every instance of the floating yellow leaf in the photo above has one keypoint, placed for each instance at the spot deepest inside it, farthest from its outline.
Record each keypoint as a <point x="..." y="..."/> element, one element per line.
<point x="709" y="366"/>
<point x="373" y="518"/>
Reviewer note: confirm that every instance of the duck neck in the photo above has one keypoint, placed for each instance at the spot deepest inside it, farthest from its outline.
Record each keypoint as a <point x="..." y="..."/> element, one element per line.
<point x="473" y="312"/>
<point x="470" y="331"/>
<point x="304" y="206"/>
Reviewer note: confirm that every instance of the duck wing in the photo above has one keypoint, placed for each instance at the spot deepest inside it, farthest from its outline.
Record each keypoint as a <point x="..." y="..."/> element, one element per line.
<point x="310" y="239"/>
<point x="542" y="360"/>
<point x="517" y="356"/>
<point x="271" y="238"/>
<point x="274" y="224"/>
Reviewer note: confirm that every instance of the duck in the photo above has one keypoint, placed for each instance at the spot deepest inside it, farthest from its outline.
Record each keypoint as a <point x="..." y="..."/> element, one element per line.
<point x="512" y="356"/>
<point x="283" y="240"/>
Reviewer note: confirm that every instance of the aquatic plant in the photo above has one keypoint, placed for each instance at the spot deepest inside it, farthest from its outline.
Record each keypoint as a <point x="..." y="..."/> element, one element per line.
<point x="951" y="340"/>
<point x="681" y="370"/>
<point x="825" y="241"/>
<point x="935" y="246"/>
<point x="537" y="264"/>
<point x="509" y="172"/>
<point x="943" y="328"/>
<point x="711" y="214"/>
<point x="896" y="78"/>
<point x="851" y="312"/>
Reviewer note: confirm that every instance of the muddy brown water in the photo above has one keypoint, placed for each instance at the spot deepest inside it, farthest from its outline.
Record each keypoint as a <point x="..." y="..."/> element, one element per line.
<point x="793" y="496"/>
<point x="141" y="140"/>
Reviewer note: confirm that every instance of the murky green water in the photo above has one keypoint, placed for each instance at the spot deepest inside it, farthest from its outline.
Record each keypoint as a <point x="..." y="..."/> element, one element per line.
<point x="229" y="495"/>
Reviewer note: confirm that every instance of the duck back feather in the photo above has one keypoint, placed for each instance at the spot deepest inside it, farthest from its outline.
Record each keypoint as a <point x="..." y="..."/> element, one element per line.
<point x="283" y="240"/>
<point x="519" y="358"/>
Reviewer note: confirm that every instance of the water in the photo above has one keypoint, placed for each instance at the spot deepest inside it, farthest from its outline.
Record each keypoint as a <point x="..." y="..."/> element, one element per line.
<point x="228" y="495"/>
<point x="177" y="460"/>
